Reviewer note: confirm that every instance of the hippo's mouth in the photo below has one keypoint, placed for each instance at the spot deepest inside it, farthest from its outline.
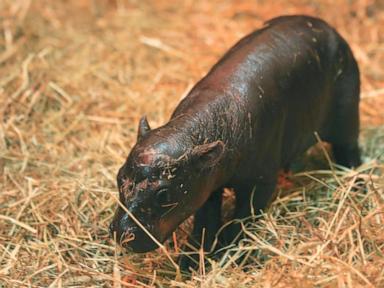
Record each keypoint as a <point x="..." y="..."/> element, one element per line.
<point x="135" y="239"/>
<point x="142" y="245"/>
<point x="132" y="237"/>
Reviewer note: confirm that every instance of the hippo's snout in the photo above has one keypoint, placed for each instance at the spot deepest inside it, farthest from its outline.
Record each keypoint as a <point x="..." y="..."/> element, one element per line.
<point x="129" y="235"/>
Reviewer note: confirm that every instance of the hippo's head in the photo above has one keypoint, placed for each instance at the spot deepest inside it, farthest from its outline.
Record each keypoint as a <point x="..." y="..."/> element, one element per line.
<point x="163" y="181"/>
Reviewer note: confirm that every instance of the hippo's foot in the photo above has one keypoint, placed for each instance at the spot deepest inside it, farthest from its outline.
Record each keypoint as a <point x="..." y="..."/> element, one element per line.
<point x="197" y="260"/>
<point x="189" y="262"/>
<point x="194" y="261"/>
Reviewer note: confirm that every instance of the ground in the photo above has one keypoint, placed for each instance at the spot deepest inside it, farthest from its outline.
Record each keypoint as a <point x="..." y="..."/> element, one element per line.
<point x="75" y="78"/>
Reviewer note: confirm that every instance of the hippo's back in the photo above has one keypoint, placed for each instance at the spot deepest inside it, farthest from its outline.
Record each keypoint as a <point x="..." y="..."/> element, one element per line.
<point x="288" y="50"/>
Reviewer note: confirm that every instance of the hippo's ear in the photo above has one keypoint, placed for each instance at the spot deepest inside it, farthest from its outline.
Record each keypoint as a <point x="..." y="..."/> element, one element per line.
<point x="143" y="127"/>
<point x="208" y="155"/>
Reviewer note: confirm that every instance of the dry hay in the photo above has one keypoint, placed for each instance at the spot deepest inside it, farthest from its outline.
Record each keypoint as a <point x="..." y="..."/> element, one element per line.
<point x="76" y="76"/>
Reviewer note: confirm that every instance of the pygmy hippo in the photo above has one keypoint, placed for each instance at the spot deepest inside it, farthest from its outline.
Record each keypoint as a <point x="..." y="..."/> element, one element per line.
<point x="254" y="112"/>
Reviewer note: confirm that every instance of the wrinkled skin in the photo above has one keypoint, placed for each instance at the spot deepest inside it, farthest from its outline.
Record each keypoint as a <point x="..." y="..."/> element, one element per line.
<point x="157" y="184"/>
<point x="253" y="113"/>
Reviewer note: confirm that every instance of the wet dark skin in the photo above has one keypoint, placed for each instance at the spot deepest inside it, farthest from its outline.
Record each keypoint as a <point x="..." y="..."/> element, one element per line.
<point x="255" y="111"/>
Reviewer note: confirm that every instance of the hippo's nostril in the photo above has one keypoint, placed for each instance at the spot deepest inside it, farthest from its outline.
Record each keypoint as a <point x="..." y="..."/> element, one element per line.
<point x="127" y="237"/>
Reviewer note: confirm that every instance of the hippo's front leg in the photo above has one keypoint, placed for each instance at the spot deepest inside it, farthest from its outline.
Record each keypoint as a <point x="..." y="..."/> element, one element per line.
<point x="251" y="197"/>
<point x="207" y="222"/>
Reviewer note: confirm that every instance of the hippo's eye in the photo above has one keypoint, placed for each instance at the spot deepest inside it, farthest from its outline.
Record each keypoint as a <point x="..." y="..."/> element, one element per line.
<point x="163" y="196"/>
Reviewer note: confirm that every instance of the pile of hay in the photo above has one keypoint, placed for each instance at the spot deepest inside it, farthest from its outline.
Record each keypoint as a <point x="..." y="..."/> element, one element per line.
<point x="76" y="76"/>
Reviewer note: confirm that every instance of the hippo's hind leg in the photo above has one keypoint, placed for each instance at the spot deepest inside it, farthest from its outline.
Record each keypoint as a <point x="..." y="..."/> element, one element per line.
<point x="345" y="118"/>
<point x="207" y="222"/>
<point x="348" y="156"/>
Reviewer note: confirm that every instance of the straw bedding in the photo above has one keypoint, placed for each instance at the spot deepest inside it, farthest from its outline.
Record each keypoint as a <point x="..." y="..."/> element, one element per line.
<point x="75" y="78"/>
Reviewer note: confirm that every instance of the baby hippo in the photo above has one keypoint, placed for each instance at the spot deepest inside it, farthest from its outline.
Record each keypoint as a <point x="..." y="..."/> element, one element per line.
<point x="254" y="112"/>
